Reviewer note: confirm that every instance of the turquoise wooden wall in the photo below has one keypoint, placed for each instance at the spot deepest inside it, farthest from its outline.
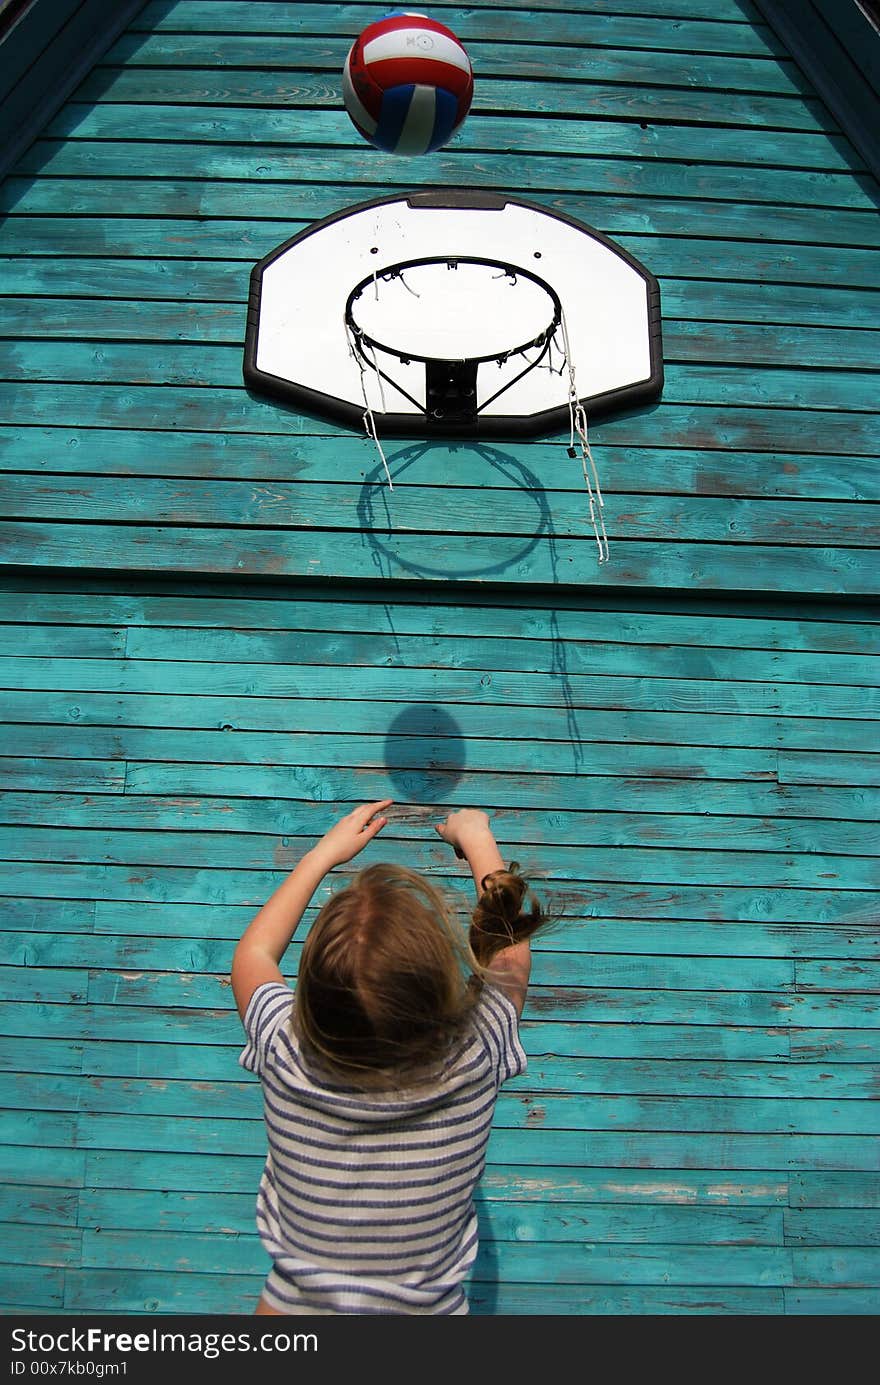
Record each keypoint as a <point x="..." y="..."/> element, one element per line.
<point x="219" y="630"/>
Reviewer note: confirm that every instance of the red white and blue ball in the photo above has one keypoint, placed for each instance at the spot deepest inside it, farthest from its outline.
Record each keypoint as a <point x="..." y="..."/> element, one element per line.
<point x="407" y="84"/>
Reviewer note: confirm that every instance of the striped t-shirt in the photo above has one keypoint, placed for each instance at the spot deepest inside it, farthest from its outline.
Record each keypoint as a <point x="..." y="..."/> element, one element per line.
<point x="366" y="1199"/>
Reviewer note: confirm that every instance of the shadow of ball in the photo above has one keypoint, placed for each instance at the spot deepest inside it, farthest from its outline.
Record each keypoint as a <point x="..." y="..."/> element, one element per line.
<point x="424" y="754"/>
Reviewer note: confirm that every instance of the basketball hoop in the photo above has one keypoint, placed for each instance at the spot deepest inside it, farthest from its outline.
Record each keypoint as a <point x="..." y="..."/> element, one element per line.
<point x="416" y="318"/>
<point x="395" y="312"/>
<point x="473" y="315"/>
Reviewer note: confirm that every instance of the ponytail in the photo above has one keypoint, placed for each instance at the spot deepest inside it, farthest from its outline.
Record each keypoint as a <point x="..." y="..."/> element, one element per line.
<point x="506" y="913"/>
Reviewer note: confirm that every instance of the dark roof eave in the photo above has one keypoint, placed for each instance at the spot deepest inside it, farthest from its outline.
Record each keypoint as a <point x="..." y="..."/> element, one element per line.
<point x="47" y="47"/>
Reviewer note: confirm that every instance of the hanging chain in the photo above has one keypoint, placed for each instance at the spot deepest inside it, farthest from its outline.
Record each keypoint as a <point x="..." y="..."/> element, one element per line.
<point x="578" y="420"/>
<point x="368" y="416"/>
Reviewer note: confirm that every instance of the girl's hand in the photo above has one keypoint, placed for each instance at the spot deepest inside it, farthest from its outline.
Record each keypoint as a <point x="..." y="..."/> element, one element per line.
<point x="351" y="833"/>
<point x="464" y="828"/>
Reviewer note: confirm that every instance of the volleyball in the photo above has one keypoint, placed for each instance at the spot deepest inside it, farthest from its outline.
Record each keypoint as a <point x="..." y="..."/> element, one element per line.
<point x="407" y="84"/>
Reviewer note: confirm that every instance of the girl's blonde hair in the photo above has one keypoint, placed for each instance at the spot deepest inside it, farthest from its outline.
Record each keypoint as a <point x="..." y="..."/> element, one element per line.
<point x="388" y="976"/>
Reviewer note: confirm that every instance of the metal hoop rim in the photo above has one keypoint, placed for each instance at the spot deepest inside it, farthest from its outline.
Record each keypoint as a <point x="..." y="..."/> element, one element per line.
<point x="363" y="338"/>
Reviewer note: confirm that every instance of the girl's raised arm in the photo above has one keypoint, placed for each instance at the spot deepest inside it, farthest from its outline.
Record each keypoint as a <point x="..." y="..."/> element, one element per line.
<point x="268" y="935"/>
<point x="469" y="833"/>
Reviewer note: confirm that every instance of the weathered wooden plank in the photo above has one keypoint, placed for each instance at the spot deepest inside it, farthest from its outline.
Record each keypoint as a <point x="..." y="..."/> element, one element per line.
<point x="133" y="1292"/>
<point x="798" y="296"/>
<point x="657" y="936"/>
<point x="80" y="642"/>
<point x="535" y="1221"/>
<point x="165" y="1210"/>
<point x="576" y="1263"/>
<point x="521" y="831"/>
<point x="750" y="344"/>
<point x="834" y="1045"/>
<point x="831" y="1302"/>
<point x="804" y="767"/>
<point x="835" y="1190"/>
<point x="448" y="687"/>
<point x="851" y="975"/>
<point x="675" y="67"/>
<point x="69" y="776"/>
<point x="493" y="651"/>
<point x="820" y="1010"/>
<point x="238" y="1176"/>
<point x="204" y="796"/>
<point x="338" y="164"/>
<point x="285" y="129"/>
<point x="138" y="1292"/>
<point x="105" y="319"/>
<point x="610" y="26"/>
<point x="706" y="565"/>
<point x="161" y="1056"/>
<point x="252" y="731"/>
<point x="62" y="949"/>
<point x="63" y="916"/>
<point x="38" y="1130"/>
<point x="52" y="1165"/>
<point x="40" y="1055"/>
<point x="531" y="1220"/>
<point x="111" y="270"/>
<point x="592" y="933"/>
<point x="186" y="1208"/>
<point x="600" y="898"/>
<point x="37" y="1287"/>
<point x="693" y="1150"/>
<point x="524" y="1146"/>
<point x="661" y="1060"/>
<point x="58" y="986"/>
<point x="739" y="12"/>
<point x="295" y="90"/>
<point x="847" y="1266"/>
<point x="832" y="348"/>
<point x="99" y="726"/>
<point x="665" y="1077"/>
<point x="628" y="862"/>
<point x="681" y="621"/>
<point x="203" y="992"/>
<point x="157" y="1099"/>
<point x="713" y="1007"/>
<point x="185" y="1172"/>
<point x="125" y="453"/>
<point x="236" y="411"/>
<point x="220" y="366"/>
<point x="160" y="1083"/>
<point x="81" y="732"/>
<point x="213" y="226"/>
<point x="38" y="1206"/>
<point x="832" y="1227"/>
<point x="136" y="1024"/>
<point x="491" y="1297"/>
<point x="344" y="508"/>
<point x="198" y="960"/>
<point x="625" y="1186"/>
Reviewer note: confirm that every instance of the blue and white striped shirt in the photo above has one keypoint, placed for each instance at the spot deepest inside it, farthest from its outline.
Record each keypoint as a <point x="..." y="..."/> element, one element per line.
<point x="366" y="1199"/>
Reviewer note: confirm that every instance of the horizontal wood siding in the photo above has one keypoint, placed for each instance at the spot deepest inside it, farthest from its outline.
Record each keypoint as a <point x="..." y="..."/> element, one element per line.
<point x="213" y="131"/>
<point x="218" y="630"/>
<point x="697" y="1131"/>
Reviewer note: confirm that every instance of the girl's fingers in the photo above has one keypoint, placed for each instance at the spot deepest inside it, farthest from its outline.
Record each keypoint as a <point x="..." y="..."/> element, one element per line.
<point x="367" y="810"/>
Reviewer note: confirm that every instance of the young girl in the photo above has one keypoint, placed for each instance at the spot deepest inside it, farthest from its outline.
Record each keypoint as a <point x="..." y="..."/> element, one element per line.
<point x="380" y="1075"/>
